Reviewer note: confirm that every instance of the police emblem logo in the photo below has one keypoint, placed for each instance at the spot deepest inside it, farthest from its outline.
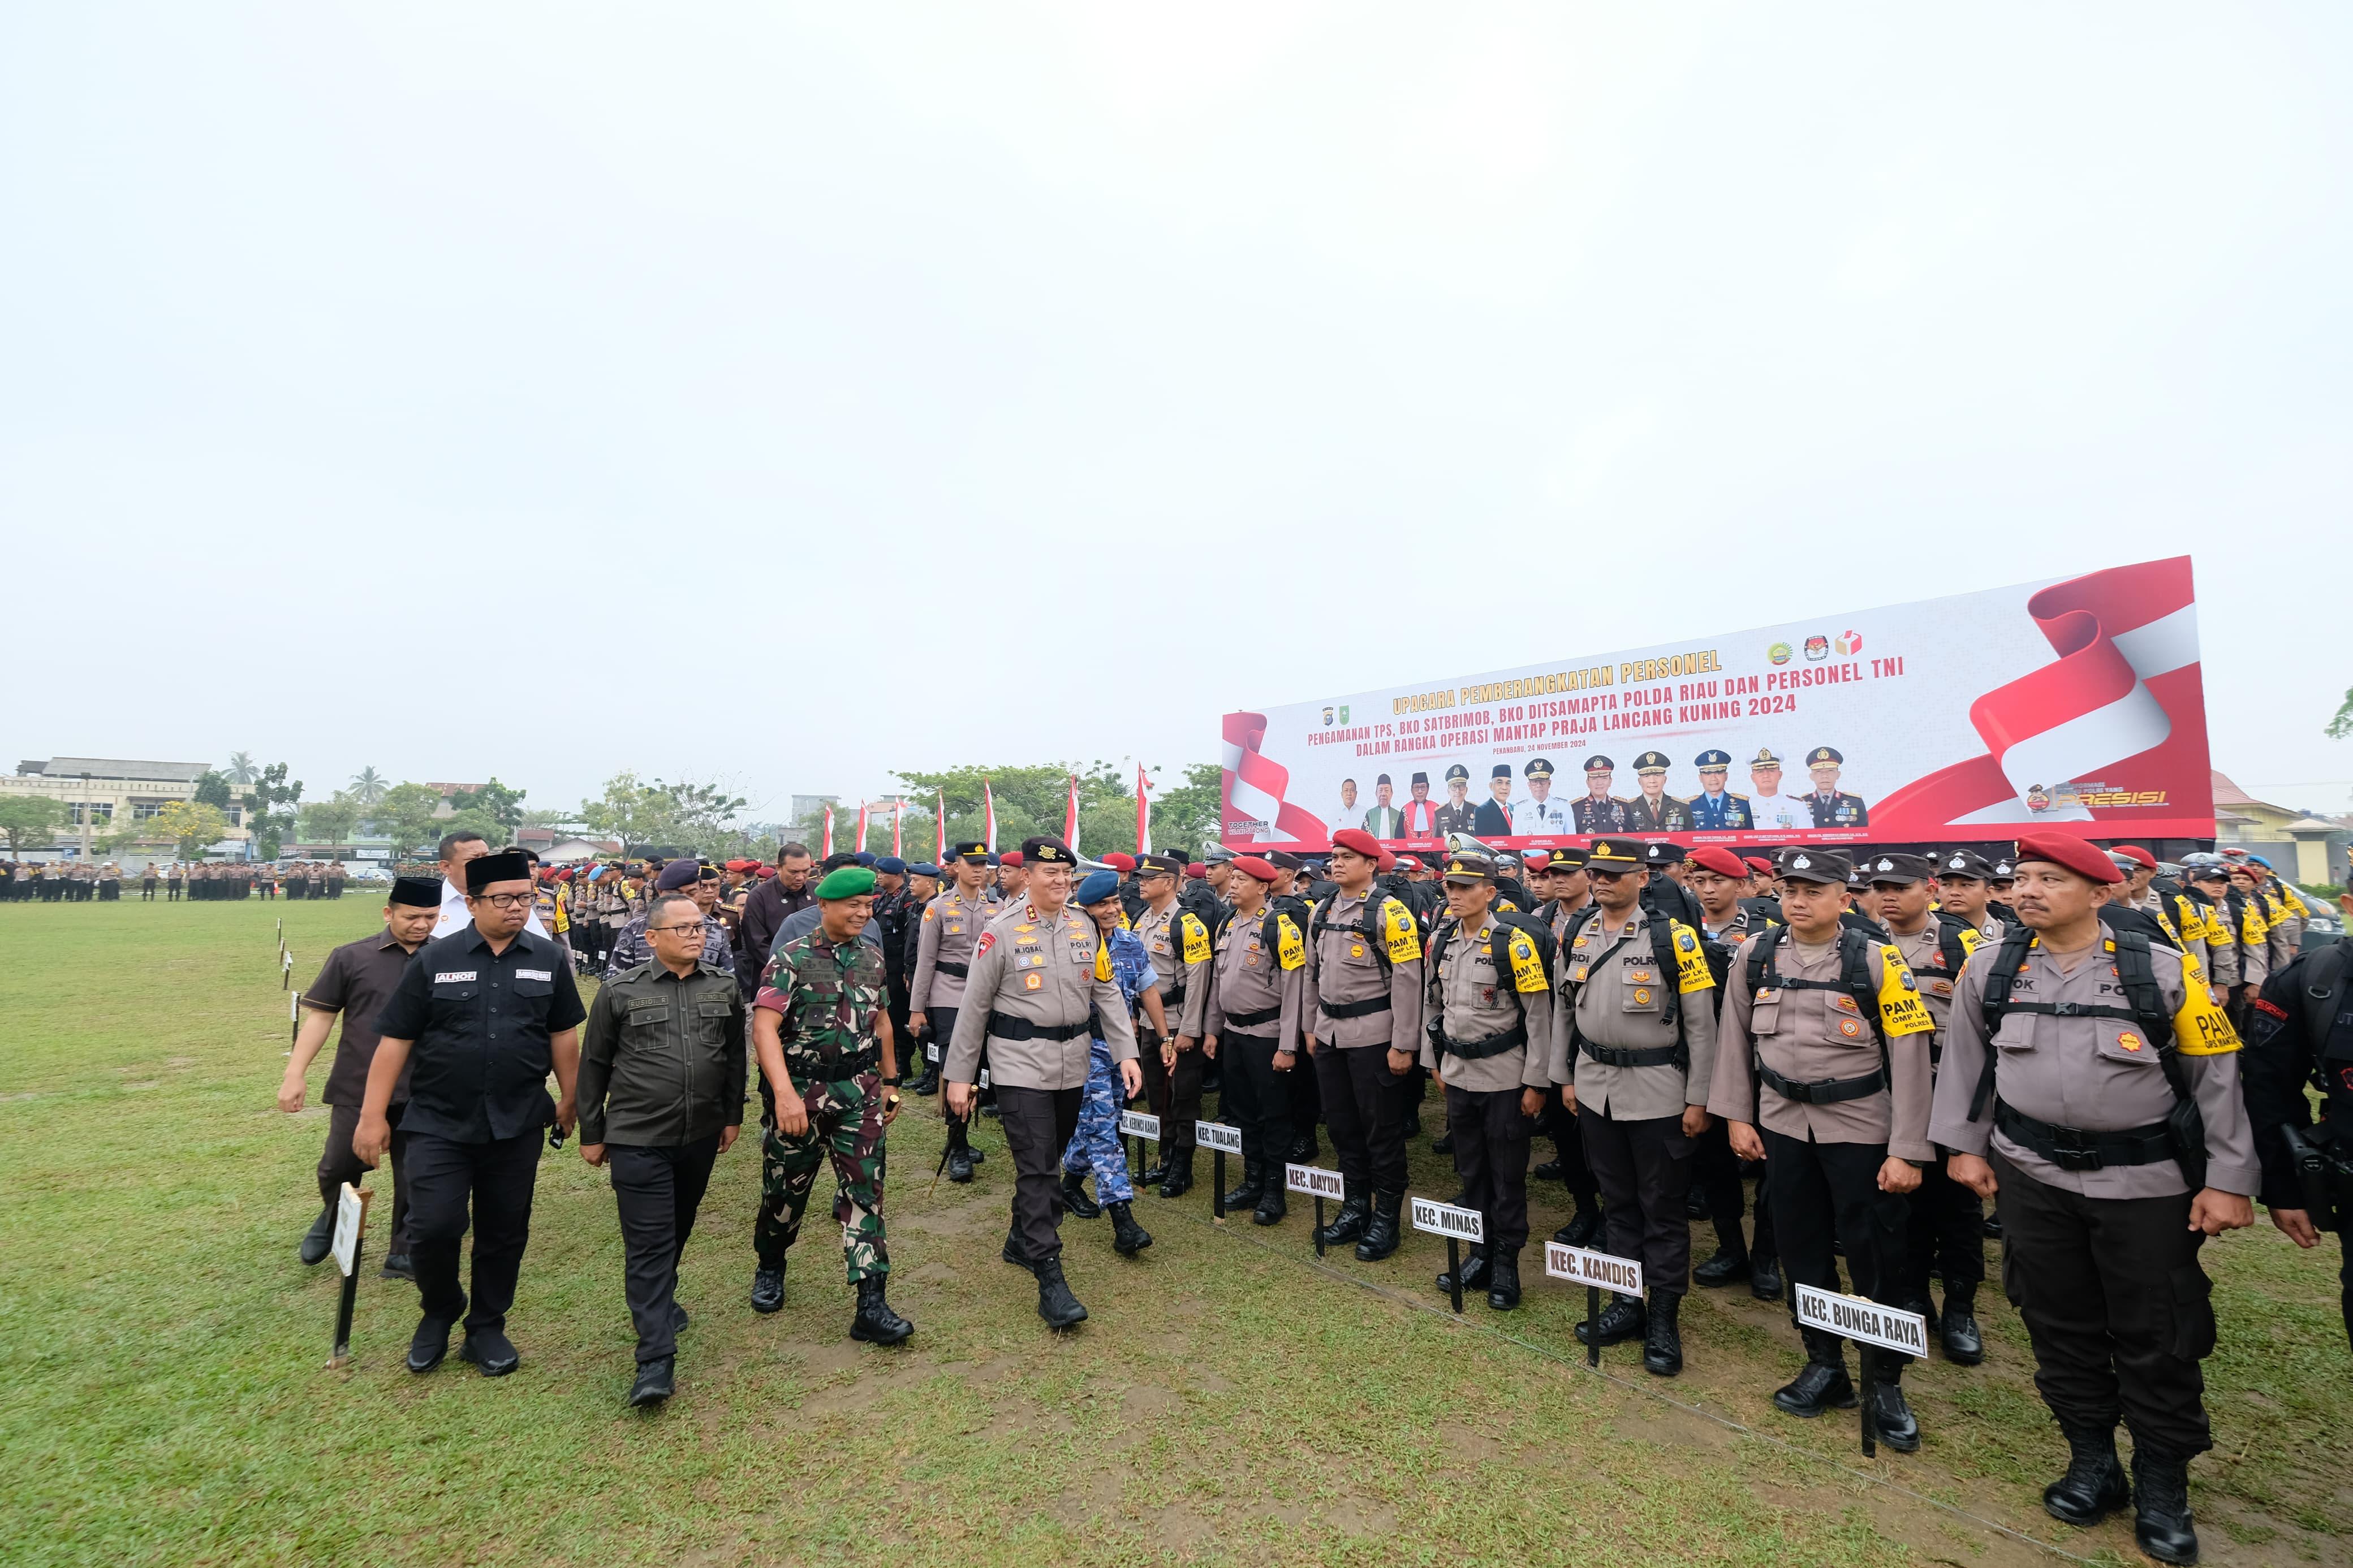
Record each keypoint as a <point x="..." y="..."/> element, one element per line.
<point x="1687" y="943"/>
<point x="1641" y="997"/>
<point x="1887" y="865"/>
<point x="1355" y="950"/>
<point x="1801" y="863"/>
<point x="1907" y="980"/>
<point x="1032" y="981"/>
<point x="1851" y="1028"/>
<point x="2128" y="1041"/>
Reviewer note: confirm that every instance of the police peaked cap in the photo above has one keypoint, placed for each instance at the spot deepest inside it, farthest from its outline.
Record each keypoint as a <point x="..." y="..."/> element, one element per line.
<point x="1824" y="756"/>
<point x="1809" y="865"/>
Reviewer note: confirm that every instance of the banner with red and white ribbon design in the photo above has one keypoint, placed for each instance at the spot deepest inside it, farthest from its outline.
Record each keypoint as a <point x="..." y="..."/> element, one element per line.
<point x="2077" y="702"/>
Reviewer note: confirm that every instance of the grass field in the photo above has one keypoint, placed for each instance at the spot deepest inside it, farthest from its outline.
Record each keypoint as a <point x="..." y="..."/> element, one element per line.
<point x="163" y="1397"/>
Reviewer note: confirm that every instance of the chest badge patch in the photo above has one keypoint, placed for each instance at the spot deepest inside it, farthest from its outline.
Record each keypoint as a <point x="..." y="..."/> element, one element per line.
<point x="1032" y="981"/>
<point x="2128" y="1040"/>
<point x="1355" y="950"/>
<point x="1851" y="1028"/>
<point x="1641" y="996"/>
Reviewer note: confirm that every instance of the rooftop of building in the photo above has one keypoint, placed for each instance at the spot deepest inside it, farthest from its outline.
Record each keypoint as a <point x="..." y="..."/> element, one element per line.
<point x="113" y="768"/>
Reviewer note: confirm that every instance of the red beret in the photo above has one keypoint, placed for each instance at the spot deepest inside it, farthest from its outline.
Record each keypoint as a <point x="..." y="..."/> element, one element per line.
<point x="768" y="870"/>
<point x="2137" y="855"/>
<point x="1252" y="867"/>
<point x="1195" y="868"/>
<point x="1358" y="839"/>
<point x="2074" y="853"/>
<point x="1721" y="861"/>
<point x="565" y="875"/>
<point x="1536" y="860"/>
<point x="1388" y="862"/>
<point x="1119" y="862"/>
<point x="1761" y="866"/>
<point x="1010" y="858"/>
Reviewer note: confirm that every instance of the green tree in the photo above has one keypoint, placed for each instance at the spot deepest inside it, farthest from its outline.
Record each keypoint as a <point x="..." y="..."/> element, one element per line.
<point x="2341" y="726"/>
<point x="194" y="825"/>
<point x="1034" y="799"/>
<point x="30" y="821"/>
<point x="269" y="801"/>
<point x="368" y="787"/>
<point x="331" y="821"/>
<point x="689" y="814"/>
<point x="241" y="769"/>
<point x="214" y="789"/>
<point x="1185" y="818"/>
<point x="405" y="815"/>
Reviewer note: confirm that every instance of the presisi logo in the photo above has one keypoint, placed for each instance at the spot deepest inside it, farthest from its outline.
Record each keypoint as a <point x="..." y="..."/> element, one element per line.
<point x="1779" y="653"/>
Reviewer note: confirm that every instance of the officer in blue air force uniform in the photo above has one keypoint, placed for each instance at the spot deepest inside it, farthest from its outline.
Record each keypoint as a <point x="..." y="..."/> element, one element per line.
<point x="1714" y="808"/>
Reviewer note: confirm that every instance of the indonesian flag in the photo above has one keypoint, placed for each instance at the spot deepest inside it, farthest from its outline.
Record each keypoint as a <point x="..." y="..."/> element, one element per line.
<point x="1070" y="817"/>
<point x="940" y="823"/>
<point x="829" y="833"/>
<point x="988" y="816"/>
<point x="898" y="817"/>
<point x="1143" y="812"/>
<point x="1253" y="809"/>
<point x="862" y="827"/>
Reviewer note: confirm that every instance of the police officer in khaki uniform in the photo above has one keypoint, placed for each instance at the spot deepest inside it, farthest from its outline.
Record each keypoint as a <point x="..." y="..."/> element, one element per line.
<point x="1176" y="940"/>
<point x="1964" y="889"/>
<point x="1566" y="890"/>
<point x="1039" y="974"/>
<point x="2079" y="1127"/>
<point x="949" y="932"/>
<point x="1635" y="1027"/>
<point x="1823" y="1074"/>
<point x="1257" y="1015"/>
<point x="1363" y="998"/>
<point x="1489" y="1039"/>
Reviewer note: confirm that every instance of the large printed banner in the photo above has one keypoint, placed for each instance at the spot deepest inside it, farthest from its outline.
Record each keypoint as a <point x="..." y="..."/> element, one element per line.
<point x="2075" y="703"/>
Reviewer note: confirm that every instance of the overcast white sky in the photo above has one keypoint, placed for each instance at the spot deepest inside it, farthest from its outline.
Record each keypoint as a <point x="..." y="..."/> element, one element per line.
<point x="824" y="350"/>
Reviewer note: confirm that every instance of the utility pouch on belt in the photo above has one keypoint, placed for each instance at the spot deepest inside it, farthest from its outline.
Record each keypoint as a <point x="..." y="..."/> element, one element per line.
<point x="2319" y="1175"/>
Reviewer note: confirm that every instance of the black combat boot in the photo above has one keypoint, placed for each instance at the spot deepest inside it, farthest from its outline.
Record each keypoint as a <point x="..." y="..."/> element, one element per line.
<point x="1722" y="1268"/>
<point x="1074" y="1196"/>
<point x="1546" y="1170"/>
<point x="1348" y="1223"/>
<point x="1474" y="1270"/>
<point x="1443" y="1143"/>
<point x="1152" y="1176"/>
<point x="1898" y="1427"/>
<point x="2161" y="1521"/>
<point x="1662" y="1339"/>
<point x="1623" y="1319"/>
<point x="1381" y="1227"/>
<point x="1765" y="1279"/>
<point x="2093" y="1485"/>
<point x="320" y="1240"/>
<point x="959" y="1153"/>
<point x="1253" y="1187"/>
<point x="929" y="1084"/>
<point x="1013" y="1252"/>
<point x="1413" y="1121"/>
<point x="1127" y="1237"/>
<point x="1055" y="1303"/>
<point x="1823" y="1384"/>
<point x="1504" y="1281"/>
<point x="1272" y="1204"/>
<point x="1303" y="1149"/>
<point x="1584" y="1227"/>
<point x="1964" y="1344"/>
<point x="767" y="1288"/>
<point x="1695" y="1203"/>
<point x="656" y="1381"/>
<point x="1179" y="1178"/>
<point x="874" y="1321"/>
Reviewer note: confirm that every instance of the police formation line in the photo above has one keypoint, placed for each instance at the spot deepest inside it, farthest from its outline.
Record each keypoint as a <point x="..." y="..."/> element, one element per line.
<point x="56" y="882"/>
<point x="1882" y="1039"/>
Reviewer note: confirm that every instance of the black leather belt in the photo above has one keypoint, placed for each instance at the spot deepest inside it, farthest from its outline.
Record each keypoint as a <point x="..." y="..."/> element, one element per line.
<point x="1492" y="1046"/>
<point x="1364" y="1009"/>
<point x="1244" y="1020"/>
<point x="2077" y="1148"/>
<point x="1628" y="1056"/>
<point x="959" y="970"/>
<point x="1823" y="1091"/>
<point x="1009" y="1028"/>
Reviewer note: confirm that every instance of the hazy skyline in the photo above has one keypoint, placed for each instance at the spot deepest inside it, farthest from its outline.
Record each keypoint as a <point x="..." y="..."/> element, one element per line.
<point x="930" y="386"/>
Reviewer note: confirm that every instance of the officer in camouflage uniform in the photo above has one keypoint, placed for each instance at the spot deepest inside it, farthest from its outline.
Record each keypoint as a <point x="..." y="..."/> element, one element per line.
<point x="1095" y="1145"/>
<point x="823" y="1036"/>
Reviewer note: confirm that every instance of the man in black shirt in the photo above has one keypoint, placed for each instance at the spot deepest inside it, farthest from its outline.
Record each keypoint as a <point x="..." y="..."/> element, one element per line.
<point x="486" y="1010"/>
<point x="780" y="896"/>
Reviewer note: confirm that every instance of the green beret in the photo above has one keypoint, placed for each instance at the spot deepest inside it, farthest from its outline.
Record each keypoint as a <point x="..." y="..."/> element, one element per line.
<point x="846" y="882"/>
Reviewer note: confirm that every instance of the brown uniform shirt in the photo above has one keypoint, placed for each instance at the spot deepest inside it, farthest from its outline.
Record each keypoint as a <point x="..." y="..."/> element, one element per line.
<point x="1620" y="995"/>
<point x="1345" y="966"/>
<point x="951" y="930"/>
<point x="1809" y="1036"/>
<point x="1184" y="987"/>
<point x="1049" y="970"/>
<point x="2098" y="1074"/>
<point x="1246" y="978"/>
<point x="356" y="981"/>
<point x="1487" y="984"/>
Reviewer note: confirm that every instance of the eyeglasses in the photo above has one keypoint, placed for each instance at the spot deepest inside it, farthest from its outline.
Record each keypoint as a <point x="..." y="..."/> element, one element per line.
<point x="506" y="900"/>
<point x="695" y="927"/>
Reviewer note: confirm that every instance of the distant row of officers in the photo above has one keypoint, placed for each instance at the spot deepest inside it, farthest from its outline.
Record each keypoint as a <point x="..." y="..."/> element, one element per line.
<point x="1649" y="810"/>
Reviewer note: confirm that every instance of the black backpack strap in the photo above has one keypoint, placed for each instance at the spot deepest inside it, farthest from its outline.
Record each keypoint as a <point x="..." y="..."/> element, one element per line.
<point x="2015" y="943"/>
<point x="1570" y="987"/>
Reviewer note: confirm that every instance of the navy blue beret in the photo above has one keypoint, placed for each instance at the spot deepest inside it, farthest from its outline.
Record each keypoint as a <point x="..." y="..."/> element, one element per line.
<point x="1099" y="886"/>
<point x="891" y="866"/>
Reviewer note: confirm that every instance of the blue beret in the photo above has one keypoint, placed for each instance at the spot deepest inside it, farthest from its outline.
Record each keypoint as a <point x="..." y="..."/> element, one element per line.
<point x="925" y="868"/>
<point x="865" y="857"/>
<point x="1099" y="886"/>
<point x="891" y="866"/>
<point x="676" y="875"/>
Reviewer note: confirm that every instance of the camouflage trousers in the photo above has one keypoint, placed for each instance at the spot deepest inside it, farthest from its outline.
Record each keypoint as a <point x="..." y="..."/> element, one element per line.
<point x="845" y="1123"/>
<point x="1095" y="1145"/>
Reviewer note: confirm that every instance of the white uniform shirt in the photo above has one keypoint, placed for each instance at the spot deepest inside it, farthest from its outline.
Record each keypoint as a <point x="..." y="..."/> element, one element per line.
<point x="455" y="915"/>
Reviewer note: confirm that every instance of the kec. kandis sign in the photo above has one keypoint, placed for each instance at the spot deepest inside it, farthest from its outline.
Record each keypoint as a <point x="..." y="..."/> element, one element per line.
<point x="1580" y="1266"/>
<point x="2076" y="703"/>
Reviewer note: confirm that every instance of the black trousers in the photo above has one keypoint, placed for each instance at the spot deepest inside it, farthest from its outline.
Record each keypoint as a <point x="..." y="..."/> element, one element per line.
<point x="1256" y="1099"/>
<point x="1175" y="1096"/>
<point x="496" y="1178"/>
<point x="1560" y="1123"/>
<point x="2119" y="1312"/>
<point x="1943" y="1231"/>
<point x="1717" y="1171"/>
<point x="338" y="1164"/>
<point x="1827" y="1195"/>
<point x="1307" y="1093"/>
<point x="659" y="1188"/>
<point x="1037" y="1127"/>
<point x="1644" y="1170"/>
<point x="1491" y="1154"/>
<point x="942" y="1021"/>
<point x="1364" y="1104"/>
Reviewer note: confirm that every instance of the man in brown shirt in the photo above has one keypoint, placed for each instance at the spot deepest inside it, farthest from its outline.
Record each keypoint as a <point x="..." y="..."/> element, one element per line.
<point x="945" y="938"/>
<point x="356" y="982"/>
<point x="1257" y="1014"/>
<point x="1177" y="943"/>
<point x="1822" y="1072"/>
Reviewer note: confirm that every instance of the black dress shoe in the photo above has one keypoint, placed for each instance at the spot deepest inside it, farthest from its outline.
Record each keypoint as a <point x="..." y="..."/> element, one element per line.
<point x="1897" y="1426"/>
<point x="768" y="1288"/>
<point x="2161" y="1518"/>
<point x="1624" y="1319"/>
<point x="1991" y="1226"/>
<point x="1695" y="1203"/>
<point x="1474" y="1270"/>
<point x="2094" y="1485"/>
<point x="1504" y="1281"/>
<point x="1964" y="1344"/>
<point x="1055" y="1303"/>
<point x="678" y="1319"/>
<point x="1663" y="1337"/>
<point x="397" y="1266"/>
<point x="428" y="1344"/>
<point x="1413" y="1124"/>
<point x="1443" y="1145"/>
<point x="1546" y="1170"/>
<point x="1765" y="1279"/>
<point x="320" y="1240"/>
<point x="1074" y="1196"/>
<point x="1819" y="1388"/>
<point x="491" y="1350"/>
<point x="1584" y="1228"/>
<point x="656" y="1380"/>
<point x="874" y="1321"/>
<point x="1722" y="1268"/>
<point x="1272" y="1204"/>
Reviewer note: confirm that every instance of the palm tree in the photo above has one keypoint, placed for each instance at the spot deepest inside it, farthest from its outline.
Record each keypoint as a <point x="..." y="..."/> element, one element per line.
<point x="241" y="769"/>
<point x="368" y="787"/>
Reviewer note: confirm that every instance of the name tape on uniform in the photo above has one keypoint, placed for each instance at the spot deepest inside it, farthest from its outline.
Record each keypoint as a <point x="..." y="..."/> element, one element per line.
<point x="1580" y="1266"/>
<point x="984" y="1079"/>
<point x="1315" y="1182"/>
<point x="1890" y="1328"/>
<point x="346" y="1246"/>
<point x="1445" y="1219"/>
<point x="1139" y="1124"/>
<point x="930" y="1050"/>
<point x="1216" y="1135"/>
